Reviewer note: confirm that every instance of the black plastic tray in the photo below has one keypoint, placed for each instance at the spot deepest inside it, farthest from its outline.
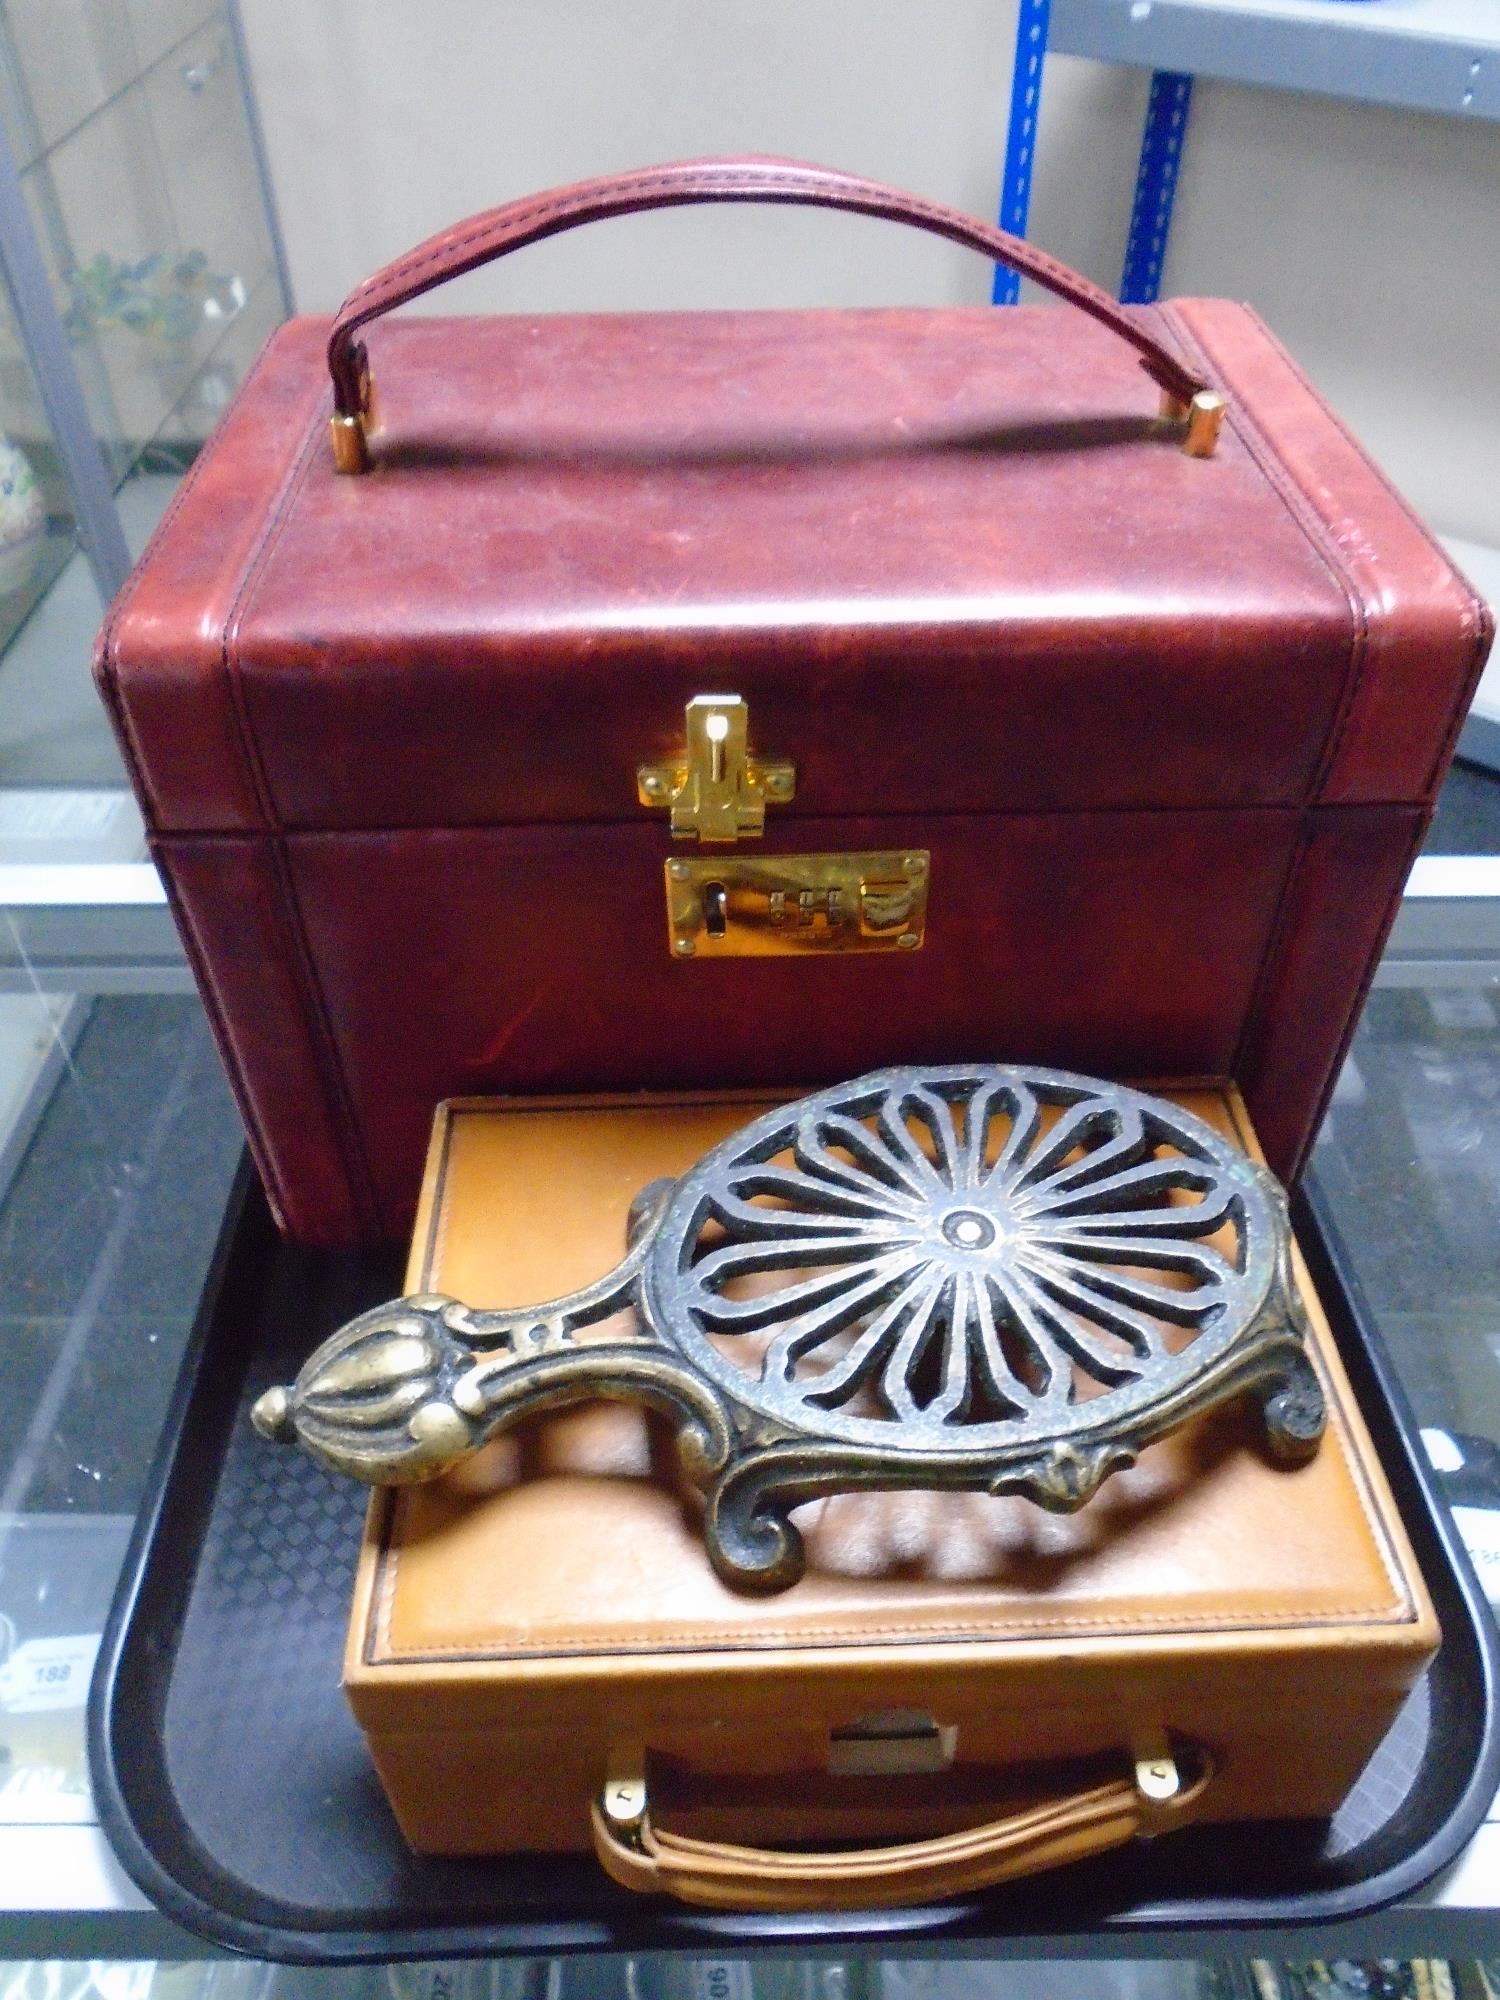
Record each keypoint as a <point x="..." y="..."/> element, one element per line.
<point x="236" y="1789"/>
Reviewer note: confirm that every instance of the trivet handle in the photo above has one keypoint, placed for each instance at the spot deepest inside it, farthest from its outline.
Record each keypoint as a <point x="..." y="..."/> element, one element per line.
<point x="1160" y="1791"/>
<point x="482" y="238"/>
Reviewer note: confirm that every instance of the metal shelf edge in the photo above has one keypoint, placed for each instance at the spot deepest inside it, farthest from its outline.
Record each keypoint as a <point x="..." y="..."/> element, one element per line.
<point x="1423" y="55"/>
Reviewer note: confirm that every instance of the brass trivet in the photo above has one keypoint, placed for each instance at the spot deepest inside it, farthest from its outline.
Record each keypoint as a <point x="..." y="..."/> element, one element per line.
<point x="1007" y="1280"/>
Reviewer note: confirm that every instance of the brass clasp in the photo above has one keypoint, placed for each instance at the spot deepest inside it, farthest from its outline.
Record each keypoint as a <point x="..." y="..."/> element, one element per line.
<point x="716" y="790"/>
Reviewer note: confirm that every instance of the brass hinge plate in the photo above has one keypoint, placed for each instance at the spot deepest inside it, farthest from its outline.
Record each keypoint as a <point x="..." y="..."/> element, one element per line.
<point x="784" y="905"/>
<point x="715" y="790"/>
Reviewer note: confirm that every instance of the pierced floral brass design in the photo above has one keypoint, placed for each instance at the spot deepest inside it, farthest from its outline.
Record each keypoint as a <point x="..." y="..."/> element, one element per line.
<point x="997" y="1279"/>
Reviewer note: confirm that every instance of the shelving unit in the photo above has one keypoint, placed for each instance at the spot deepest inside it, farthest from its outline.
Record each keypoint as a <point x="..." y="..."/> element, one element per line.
<point x="1420" y="55"/>
<point x="143" y="271"/>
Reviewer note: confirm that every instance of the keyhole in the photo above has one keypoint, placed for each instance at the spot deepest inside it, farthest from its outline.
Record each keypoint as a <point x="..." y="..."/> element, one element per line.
<point x="715" y="908"/>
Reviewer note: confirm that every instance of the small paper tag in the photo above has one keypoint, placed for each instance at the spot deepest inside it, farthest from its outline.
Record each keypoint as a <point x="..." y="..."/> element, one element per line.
<point x="1480" y="1528"/>
<point x="48" y="1673"/>
<point x="721" y="1979"/>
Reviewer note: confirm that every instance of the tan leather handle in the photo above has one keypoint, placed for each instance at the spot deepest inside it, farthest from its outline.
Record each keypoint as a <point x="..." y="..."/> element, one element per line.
<point x="714" y="1875"/>
<point x="501" y="230"/>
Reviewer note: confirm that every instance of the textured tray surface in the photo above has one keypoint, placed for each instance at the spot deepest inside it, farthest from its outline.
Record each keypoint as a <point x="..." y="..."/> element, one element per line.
<point x="237" y="1787"/>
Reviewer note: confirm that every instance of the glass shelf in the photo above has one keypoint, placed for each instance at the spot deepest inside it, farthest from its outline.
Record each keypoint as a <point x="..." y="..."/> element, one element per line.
<point x="147" y="281"/>
<point x="39" y="546"/>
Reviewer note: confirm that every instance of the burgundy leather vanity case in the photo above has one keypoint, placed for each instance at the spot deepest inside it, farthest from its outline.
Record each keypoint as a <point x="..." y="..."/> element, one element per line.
<point x="658" y="701"/>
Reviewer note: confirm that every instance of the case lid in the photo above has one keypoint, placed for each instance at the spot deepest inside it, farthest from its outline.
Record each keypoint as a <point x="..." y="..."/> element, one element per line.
<point x="948" y="557"/>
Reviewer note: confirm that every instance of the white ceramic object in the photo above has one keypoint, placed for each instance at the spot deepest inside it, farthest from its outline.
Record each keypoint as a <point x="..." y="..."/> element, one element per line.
<point x="23" y="518"/>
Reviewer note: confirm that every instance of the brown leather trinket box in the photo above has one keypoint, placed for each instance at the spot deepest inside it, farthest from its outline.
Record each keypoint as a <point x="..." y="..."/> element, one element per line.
<point x="672" y="701"/>
<point x="958" y="1673"/>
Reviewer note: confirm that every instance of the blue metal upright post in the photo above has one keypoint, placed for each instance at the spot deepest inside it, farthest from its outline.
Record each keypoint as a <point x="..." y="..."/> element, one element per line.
<point x="1020" y="144"/>
<point x="1155" y="186"/>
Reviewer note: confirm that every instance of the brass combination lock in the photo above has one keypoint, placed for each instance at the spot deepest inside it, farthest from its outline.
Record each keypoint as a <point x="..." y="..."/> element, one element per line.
<point x="779" y="905"/>
<point x="772" y="905"/>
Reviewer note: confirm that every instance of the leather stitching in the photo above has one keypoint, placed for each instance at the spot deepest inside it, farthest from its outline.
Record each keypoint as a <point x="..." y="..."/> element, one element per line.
<point x="276" y="517"/>
<point x="735" y="1640"/>
<point x="972" y="1629"/>
<point x="437" y="1221"/>
<point x="1314" y="529"/>
<point x="1239" y="1119"/>
<point x="385" y="1595"/>
<point x="1304" y="508"/>
<point x="1483" y="638"/>
<point x="1277" y="481"/>
<point x="301" y="963"/>
<point x="439" y="1234"/>
<point x="1270" y="964"/>
<point x="186" y="485"/>
<point x="109" y="668"/>
<point x="1272" y="463"/>
<point x="1479" y="608"/>
<point x="202" y="966"/>
<point x="1357" y="1006"/>
<point x="979" y="815"/>
<point x="1031" y="260"/>
<point x="387" y="288"/>
<point x="377" y="1613"/>
<point x="108" y="679"/>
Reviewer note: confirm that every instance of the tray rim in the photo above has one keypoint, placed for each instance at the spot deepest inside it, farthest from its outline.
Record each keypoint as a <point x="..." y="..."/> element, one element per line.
<point x="139" y="1830"/>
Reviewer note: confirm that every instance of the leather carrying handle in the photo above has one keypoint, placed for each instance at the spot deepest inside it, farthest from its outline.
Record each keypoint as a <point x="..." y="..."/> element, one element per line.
<point x="717" y="1876"/>
<point x="500" y="230"/>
